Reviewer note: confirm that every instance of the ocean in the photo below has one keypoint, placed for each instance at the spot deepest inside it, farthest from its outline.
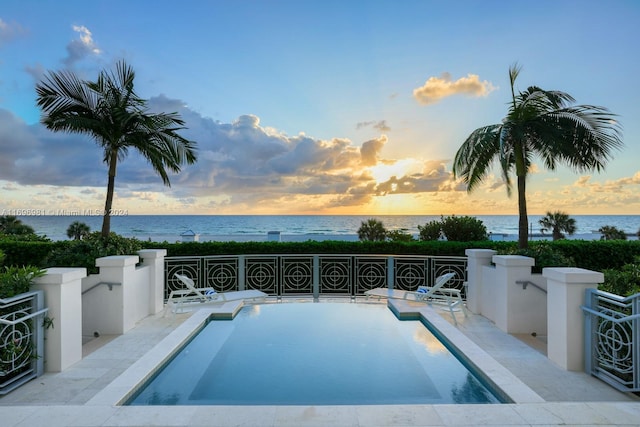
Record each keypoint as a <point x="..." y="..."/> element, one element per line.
<point x="241" y="228"/>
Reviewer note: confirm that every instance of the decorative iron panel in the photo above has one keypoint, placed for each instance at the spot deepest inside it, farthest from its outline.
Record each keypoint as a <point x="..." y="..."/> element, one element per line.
<point x="297" y="275"/>
<point x="282" y="275"/>
<point x="371" y="272"/>
<point x="411" y="273"/>
<point x="21" y="339"/>
<point x="613" y="331"/>
<point x="261" y="273"/>
<point x="335" y="276"/>
<point x="222" y="273"/>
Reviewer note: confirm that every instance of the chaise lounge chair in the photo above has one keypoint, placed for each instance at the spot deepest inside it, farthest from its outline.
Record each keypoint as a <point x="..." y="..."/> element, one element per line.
<point x="451" y="297"/>
<point x="196" y="296"/>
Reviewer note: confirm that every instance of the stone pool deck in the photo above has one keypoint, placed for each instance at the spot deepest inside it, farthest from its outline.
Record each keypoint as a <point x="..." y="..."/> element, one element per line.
<point x="565" y="398"/>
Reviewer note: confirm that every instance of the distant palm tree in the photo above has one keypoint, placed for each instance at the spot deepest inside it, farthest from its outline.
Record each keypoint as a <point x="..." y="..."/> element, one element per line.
<point x="11" y="224"/>
<point x="372" y="230"/>
<point x="538" y="123"/>
<point x="111" y="112"/>
<point x="78" y="230"/>
<point x="558" y="222"/>
<point x="610" y="232"/>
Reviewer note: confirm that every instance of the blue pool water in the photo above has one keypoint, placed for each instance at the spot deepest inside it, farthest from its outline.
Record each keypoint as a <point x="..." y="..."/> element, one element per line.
<point x="314" y="354"/>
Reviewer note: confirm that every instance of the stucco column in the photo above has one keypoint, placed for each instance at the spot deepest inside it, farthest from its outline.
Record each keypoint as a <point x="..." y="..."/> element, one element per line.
<point x="476" y="260"/>
<point x="119" y="307"/>
<point x="566" y="289"/>
<point x="154" y="258"/>
<point x="511" y="307"/>
<point x="63" y="296"/>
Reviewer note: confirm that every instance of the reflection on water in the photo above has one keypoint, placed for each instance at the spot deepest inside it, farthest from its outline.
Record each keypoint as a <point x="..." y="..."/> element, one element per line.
<point x="470" y="391"/>
<point x="431" y="344"/>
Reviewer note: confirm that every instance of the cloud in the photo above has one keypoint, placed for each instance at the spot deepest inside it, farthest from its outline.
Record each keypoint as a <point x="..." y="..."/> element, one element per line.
<point x="370" y="150"/>
<point x="9" y="32"/>
<point x="82" y="47"/>
<point x="380" y="125"/>
<point x="241" y="163"/>
<point x="437" y="88"/>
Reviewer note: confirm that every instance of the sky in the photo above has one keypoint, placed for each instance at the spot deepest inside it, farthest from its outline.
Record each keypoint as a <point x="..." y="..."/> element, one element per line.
<point x="316" y="107"/>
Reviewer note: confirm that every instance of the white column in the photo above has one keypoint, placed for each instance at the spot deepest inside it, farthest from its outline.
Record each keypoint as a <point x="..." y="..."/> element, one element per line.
<point x="118" y="308"/>
<point x="477" y="259"/>
<point x="566" y="289"/>
<point x="154" y="258"/>
<point x="62" y="293"/>
<point x="512" y="310"/>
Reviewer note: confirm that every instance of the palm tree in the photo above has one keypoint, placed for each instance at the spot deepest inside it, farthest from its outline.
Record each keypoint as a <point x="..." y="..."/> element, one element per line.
<point x="10" y="224"/>
<point x="538" y="123"/>
<point x="78" y="230"/>
<point x="111" y="112"/>
<point x="372" y="230"/>
<point x="558" y="222"/>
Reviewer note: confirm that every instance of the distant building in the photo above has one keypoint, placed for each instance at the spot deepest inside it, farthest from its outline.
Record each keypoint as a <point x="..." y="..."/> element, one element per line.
<point x="190" y="236"/>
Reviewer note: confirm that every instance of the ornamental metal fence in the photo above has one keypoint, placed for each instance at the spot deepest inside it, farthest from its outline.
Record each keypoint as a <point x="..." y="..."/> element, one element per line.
<point x="612" y="334"/>
<point x="21" y="339"/>
<point x="318" y="275"/>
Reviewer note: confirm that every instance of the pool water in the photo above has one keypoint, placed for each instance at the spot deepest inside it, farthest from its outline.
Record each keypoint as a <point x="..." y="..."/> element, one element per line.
<point x="314" y="354"/>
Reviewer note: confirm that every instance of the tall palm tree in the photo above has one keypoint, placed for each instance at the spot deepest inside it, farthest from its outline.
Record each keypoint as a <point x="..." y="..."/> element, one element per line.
<point x="539" y="123"/>
<point x="112" y="113"/>
<point x="558" y="222"/>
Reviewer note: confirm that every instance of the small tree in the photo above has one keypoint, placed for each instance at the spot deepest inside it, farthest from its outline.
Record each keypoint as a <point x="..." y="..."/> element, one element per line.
<point x="431" y="230"/>
<point x="399" y="235"/>
<point x="558" y="222"/>
<point x="78" y="230"/>
<point x="372" y="230"/>
<point x="463" y="229"/>
<point x="609" y="232"/>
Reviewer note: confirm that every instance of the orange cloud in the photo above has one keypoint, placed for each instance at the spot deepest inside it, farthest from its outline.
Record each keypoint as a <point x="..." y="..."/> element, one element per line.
<point x="437" y="88"/>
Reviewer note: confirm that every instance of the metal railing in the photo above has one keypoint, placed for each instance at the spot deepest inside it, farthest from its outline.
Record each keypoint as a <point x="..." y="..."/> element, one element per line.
<point x="313" y="274"/>
<point x="21" y="339"/>
<point x="612" y="334"/>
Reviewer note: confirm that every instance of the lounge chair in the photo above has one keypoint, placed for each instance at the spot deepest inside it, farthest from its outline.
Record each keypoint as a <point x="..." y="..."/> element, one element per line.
<point x="451" y="297"/>
<point x="422" y="294"/>
<point x="196" y="296"/>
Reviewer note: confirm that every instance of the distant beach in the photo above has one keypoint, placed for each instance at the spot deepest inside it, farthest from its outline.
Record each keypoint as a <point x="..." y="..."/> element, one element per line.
<point x="296" y="228"/>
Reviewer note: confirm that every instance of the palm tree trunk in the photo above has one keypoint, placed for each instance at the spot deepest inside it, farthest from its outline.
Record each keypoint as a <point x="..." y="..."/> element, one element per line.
<point x="111" y="183"/>
<point x="523" y="220"/>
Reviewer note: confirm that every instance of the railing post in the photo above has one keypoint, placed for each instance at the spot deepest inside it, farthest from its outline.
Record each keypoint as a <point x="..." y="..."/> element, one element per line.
<point x="315" y="284"/>
<point x="242" y="280"/>
<point x="391" y="277"/>
<point x="566" y="289"/>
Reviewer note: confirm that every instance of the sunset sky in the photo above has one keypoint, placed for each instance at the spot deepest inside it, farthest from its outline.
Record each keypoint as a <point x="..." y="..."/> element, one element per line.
<point x="317" y="107"/>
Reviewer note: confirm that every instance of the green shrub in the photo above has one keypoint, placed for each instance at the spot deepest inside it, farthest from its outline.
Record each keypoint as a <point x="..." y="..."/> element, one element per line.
<point x="454" y="228"/>
<point x="399" y="236"/>
<point x="624" y="281"/>
<point x="599" y="255"/>
<point x="17" y="280"/>
<point x="545" y="254"/>
<point x="22" y="253"/>
<point x="1" y="257"/>
<point x="430" y="231"/>
<point x="83" y="253"/>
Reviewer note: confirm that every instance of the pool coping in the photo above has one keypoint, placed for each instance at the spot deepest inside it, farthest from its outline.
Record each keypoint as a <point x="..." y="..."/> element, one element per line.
<point x="121" y="389"/>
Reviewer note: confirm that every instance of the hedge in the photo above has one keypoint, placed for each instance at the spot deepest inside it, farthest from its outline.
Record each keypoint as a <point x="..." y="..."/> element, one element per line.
<point x="594" y="255"/>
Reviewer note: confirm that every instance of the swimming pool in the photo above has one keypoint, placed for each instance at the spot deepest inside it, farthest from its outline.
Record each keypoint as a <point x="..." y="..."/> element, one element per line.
<point x="313" y="354"/>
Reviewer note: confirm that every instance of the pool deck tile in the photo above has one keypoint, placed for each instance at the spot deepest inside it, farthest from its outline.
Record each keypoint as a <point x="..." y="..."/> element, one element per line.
<point x="84" y="394"/>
